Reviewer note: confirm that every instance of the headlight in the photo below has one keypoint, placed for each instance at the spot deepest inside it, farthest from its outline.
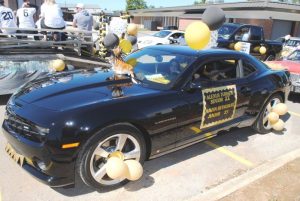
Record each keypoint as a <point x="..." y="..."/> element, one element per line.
<point x="42" y="131"/>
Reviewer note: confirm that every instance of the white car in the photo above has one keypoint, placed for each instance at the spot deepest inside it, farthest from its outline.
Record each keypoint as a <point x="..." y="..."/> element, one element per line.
<point x="163" y="37"/>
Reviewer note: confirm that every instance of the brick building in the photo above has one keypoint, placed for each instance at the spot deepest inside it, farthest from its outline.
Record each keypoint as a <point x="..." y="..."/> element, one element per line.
<point x="277" y="18"/>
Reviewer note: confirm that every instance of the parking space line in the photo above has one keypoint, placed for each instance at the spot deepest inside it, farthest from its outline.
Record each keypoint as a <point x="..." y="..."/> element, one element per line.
<point x="229" y="153"/>
<point x="294" y="113"/>
<point x="222" y="149"/>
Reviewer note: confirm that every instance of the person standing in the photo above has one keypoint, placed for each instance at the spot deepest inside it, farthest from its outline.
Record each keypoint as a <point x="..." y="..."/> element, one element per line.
<point x="7" y="20"/>
<point x="83" y="20"/>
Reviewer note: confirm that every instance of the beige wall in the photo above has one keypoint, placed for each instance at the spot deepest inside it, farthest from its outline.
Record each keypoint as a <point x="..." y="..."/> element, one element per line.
<point x="183" y="23"/>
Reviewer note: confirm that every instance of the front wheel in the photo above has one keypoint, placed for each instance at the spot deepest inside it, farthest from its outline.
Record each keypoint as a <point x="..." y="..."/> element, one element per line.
<point x="123" y="139"/>
<point x="262" y="124"/>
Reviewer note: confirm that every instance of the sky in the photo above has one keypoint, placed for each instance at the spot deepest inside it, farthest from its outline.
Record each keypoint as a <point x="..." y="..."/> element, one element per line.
<point x="121" y="4"/>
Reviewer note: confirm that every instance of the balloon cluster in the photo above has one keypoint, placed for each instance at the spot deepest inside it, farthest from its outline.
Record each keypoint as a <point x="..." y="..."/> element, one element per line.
<point x="239" y="45"/>
<point x="118" y="37"/>
<point x="117" y="168"/>
<point x="273" y="117"/>
<point x="198" y="34"/>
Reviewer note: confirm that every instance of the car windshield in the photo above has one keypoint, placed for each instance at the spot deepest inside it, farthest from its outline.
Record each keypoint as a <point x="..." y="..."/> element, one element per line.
<point x="295" y="56"/>
<point x="158" y="69"/>
<point x="226" y="30"/>
<point x="293" y="43"/>
<point x="162" y="34"/>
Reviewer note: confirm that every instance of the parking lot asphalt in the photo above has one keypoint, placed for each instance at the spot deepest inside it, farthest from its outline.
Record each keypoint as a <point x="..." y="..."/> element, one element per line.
<point x="177" y="176"/>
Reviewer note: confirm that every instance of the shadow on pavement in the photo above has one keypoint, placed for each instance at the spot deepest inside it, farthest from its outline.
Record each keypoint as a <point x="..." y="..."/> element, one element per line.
<point x="4" y="99"/>
<point x="225" y="138"/>
<point x="294" y="97"/>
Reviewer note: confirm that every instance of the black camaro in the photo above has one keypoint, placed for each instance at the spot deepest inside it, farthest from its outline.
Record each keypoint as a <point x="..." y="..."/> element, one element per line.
<point x="68" y="124"/>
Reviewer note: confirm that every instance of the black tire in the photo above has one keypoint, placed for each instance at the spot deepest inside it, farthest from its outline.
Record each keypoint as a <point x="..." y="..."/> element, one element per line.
<point x="83" y="161"/>
<point x="258" y="125"/>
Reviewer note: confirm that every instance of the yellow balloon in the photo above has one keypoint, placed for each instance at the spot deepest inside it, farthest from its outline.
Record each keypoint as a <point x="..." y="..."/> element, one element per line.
<point x="238" y="46"/>
<point x="256" y="49"/>
<point x="132" y="29"/>
<point x="262" y="50"/>
<point x="231" y="46"/>
<point x="125" y="46"/>
<point x="116" y="168"/>
<point x="280" y="109"/>
<point x="132" y="62"/>
<point x="197" y="35"/>
<point x="135" y="170"/>
<point x="273" y="117"/>
<point x="58" y="65"/>
<point x="278" y="126"/>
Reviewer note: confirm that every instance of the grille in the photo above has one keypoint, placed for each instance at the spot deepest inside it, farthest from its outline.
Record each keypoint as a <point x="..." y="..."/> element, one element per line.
<point x="23" y="128"/>
<point x="295" y="77"/>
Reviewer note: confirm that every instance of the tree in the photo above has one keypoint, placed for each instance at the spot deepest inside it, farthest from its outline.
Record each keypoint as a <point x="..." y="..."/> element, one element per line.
<point x="197" y="2"/>
<point x="135" y="4"/>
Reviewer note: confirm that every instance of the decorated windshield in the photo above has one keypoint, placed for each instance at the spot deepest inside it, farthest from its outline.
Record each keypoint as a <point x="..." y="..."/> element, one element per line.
<point x="158" y="68"/>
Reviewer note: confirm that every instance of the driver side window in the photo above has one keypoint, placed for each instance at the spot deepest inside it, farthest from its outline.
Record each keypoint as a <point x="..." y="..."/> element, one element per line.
<point x="220" y="70"/>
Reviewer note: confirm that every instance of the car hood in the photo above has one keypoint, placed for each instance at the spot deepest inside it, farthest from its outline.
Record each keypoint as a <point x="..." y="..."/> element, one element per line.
<point x="78" y="89"/>
<point x="291" y="66"/>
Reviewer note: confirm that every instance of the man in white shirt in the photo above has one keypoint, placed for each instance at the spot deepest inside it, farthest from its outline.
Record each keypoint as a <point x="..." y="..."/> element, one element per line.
<point x="26" y="16"/>
<point x="7" y="19"/>
<point x="26" y="19"/>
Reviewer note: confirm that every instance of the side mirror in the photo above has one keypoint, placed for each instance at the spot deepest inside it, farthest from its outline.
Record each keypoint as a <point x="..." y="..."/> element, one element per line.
<point x="172" y="40"/>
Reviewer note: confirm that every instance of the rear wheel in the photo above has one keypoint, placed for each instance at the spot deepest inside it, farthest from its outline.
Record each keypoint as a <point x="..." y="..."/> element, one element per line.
<point x="121" y="138"/>
<point x="262" y="124"/>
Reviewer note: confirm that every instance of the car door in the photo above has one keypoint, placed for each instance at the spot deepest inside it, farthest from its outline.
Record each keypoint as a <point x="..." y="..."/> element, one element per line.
<point x="256" y="39"/>
<point x="214" y="101"/>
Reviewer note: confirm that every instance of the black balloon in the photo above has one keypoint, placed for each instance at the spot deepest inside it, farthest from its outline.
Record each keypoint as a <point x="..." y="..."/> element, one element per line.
<point x="214" y="17"/>
<point x="132" y="39"/>
<point x="111" y="41"/>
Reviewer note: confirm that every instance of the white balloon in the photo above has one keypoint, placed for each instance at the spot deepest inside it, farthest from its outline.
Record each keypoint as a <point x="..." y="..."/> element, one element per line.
<point x="118" y="26"/>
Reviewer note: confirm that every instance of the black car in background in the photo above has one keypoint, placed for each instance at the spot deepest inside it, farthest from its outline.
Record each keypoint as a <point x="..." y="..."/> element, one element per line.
<point x="61" y="126"/>
<point x="231" y="33"/>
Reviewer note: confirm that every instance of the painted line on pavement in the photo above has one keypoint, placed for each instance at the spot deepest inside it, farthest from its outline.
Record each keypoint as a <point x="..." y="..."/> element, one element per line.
<point x="294" y="113"/>
<point x="222" y="149"/>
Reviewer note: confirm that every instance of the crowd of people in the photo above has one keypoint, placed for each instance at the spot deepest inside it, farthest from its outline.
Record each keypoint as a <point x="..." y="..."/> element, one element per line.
<point x="25" y="19"/>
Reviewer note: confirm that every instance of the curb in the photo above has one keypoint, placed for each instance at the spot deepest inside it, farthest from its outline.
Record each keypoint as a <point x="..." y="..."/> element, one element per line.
<point x="243" y="180"/>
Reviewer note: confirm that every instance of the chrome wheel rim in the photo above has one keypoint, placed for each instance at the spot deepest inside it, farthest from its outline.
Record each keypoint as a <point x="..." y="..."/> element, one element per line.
<point x="124" y="143"/>
<point x="271" y="104"/>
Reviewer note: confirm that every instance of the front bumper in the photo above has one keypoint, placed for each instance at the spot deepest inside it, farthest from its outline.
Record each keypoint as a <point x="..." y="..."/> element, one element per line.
<point x="58" y="172"/>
